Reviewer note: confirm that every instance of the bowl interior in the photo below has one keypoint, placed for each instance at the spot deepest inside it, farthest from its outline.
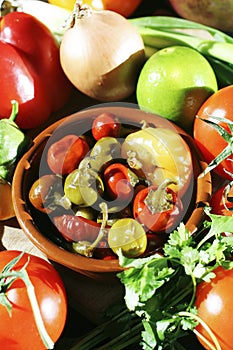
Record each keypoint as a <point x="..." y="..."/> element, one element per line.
<point x="38" y="226"/>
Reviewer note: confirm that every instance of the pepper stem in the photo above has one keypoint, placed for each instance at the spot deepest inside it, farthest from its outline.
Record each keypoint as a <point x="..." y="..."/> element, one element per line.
<point x="14" y="111"/>
<point x="103" y="207"/>
<point x="159" y="200"/>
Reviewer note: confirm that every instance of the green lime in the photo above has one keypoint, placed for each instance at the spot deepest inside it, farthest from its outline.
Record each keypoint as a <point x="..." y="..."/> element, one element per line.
<point x="174" y="83"/>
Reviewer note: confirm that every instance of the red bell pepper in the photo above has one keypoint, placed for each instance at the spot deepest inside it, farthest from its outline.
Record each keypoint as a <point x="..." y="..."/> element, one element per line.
<point x="30" y="70"/>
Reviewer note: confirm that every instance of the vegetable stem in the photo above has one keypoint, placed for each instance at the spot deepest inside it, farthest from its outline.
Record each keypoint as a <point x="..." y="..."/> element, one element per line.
<point x="207" y="328"/>
<point x="159" y="32"/>
<point x="12" y="275"/>
<point x="36" y="311"/>
<point x="14" y="111"/>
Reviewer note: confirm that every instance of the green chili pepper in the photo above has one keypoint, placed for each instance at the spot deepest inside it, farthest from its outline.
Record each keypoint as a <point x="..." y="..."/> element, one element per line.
<point x="13" y="143"/>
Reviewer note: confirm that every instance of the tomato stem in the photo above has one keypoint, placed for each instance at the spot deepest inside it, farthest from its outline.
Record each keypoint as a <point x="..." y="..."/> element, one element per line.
<point x="216" y="345"/>
<point x="23" y="275"/>
<point x="36" y="311"/>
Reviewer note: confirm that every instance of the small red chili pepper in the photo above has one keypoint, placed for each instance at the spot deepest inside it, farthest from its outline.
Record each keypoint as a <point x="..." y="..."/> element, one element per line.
<point x="104" y="125"/>
<point x="76" y="228"/>
<point x="119" y="181"/>
<point x="157" y="207"/>
<point x="65" y="155"/>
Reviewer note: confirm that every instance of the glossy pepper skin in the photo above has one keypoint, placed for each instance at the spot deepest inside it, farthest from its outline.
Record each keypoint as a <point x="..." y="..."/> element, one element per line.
<point x="157" y="208"/>
<point x="30" y="70"/>
<point x="76" y="228"/>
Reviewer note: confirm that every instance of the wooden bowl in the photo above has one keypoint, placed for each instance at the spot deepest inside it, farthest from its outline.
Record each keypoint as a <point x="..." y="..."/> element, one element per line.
<point x="38" y="228"/>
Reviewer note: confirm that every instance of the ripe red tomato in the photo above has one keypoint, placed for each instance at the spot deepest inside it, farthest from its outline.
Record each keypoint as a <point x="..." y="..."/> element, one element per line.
<point x="207" y="138"/>
<point x="215" y="308"/>
<point x="18" y="330"/>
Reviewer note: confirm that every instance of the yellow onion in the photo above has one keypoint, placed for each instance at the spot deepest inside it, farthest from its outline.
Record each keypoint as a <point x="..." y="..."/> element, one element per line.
<point x="101" y="54"/>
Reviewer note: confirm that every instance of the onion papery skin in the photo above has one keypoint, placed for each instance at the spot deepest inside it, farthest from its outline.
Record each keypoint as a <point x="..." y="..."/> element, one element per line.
<point x="102" y="55"/>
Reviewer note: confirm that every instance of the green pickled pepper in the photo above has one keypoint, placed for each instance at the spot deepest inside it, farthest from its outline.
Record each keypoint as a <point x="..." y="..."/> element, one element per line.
<point x="13" y="144"/>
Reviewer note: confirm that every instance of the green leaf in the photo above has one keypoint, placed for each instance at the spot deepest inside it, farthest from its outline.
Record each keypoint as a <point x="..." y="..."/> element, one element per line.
<point x="161" y="327"/>
<point x="189" y="323"/>
<point x="137" y="263"/>
<point x="189" y="257"/>
<point x="178" y="238"/>
<point x="219" y="224"/>
<point x="149" y="341"/>
<point x="141" y="283"/>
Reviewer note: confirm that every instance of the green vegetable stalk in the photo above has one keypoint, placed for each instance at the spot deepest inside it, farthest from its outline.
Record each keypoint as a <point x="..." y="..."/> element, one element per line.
<point x="217" y="47"/>
<point x="13" y="143"/>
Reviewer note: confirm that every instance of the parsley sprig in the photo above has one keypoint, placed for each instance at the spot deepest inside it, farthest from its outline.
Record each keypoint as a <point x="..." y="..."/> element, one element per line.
<point x="159" y="298"/>
<point x="161" y="289"/>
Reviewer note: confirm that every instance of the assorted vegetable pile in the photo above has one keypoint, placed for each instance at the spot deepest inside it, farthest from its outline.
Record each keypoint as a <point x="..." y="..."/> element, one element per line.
<point x="116" y="179"/>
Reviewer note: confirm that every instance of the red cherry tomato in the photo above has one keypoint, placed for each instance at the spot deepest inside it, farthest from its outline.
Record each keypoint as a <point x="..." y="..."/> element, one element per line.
<point x="215" y="308"/>
<point x="118" y="182"/>
<point x="207" y="138"/>
<point x="65" y="155"/>
<point x="105" y="125"/>
<point x="158" y="211"/>
<point x="19" y="330"/>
